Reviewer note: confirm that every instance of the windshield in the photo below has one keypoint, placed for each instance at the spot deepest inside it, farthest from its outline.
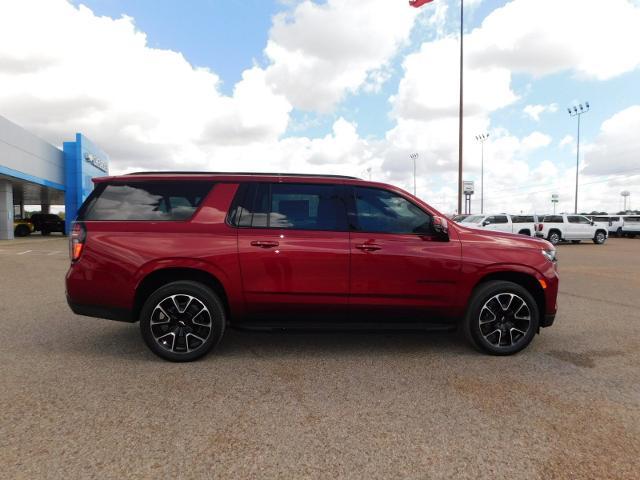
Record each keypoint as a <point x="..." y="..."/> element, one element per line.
<point x="473" y="219"/>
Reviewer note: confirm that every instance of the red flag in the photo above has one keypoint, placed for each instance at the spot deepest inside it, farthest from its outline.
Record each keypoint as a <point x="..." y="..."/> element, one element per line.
<point x="419" y="3"/>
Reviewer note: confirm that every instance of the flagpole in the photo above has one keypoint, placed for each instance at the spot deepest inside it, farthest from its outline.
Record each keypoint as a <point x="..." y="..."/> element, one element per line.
<point x="460" y="112"/>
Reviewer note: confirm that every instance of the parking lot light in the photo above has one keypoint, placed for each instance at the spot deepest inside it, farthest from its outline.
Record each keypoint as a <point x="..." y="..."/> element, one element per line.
<point x="577" y="111"/>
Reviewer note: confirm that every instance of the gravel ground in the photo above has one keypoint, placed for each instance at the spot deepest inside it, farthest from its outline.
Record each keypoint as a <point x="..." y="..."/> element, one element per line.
<point x="84" y="398"/>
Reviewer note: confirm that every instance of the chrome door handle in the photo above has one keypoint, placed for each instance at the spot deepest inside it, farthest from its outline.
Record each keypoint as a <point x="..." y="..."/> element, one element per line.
<point x="368" y="247"/>
<point x="264" y="243"/>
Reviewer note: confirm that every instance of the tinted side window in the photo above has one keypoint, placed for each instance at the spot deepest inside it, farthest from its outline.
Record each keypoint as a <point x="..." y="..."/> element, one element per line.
<point x="292" y="206"/>
<point x="584" y="221"/>
<point x="552" y="219"/>
<point x="385" y="212"/>
<point x="307" y="207"/>
<point x="498" y="219"/>
<point x="147" y="201"/>
<point x="522" y="219"/>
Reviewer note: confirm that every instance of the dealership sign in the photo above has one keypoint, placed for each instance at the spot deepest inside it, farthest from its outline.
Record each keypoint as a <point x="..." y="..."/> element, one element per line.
<point x="467" y="187"/>
<point x="97" y="162"/>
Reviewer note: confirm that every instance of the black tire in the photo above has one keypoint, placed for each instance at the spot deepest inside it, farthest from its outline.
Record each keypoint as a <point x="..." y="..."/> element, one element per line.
<point x="600" y="237"/>
<point x="21" y="231"/>
<point x="45" y="232"/>
<point x="477" y="328"/>
<point x="619" y="232"/>
<point x="178" y="327"/>
<point x="554" y="237"/>
<point x="575" y="242"/>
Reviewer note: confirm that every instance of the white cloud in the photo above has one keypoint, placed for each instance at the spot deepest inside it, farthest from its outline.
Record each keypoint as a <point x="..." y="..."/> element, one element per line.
<point x="541" y="37"/>
<point x="66" y="69"/>
<point x="536" y="140"/>
<point x="534" y="111"/>
<point x="616" y="149"/>
<point x="429" y="88"/>
<point x="567" y="140"/>
<point x="320" y="52"/>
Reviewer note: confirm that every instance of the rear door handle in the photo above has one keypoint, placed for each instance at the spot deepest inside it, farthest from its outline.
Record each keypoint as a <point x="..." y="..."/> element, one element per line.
<point x="368" y="247"/>
<point x="264" y="243"/>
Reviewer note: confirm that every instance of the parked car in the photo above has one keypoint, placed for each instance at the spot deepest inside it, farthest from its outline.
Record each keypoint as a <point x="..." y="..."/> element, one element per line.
<point x="45" y="223"/>
<point x="503" y="222"/>
<point x="613" y="223"/>
<point x="190" y="254"/>
<point x="630" y="226"/>
<point x="22" y="228"/>
<point x="574" y="228"/>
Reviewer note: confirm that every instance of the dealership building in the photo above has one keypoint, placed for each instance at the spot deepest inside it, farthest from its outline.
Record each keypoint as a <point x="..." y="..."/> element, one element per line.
<point x="34" y="172"/>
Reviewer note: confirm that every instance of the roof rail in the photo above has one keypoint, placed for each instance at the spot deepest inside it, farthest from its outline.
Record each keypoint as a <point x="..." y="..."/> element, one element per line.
<point x="266" y="174"/>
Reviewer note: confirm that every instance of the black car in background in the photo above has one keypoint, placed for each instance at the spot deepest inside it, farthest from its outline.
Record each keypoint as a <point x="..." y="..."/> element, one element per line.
<point x="46" y="223"/>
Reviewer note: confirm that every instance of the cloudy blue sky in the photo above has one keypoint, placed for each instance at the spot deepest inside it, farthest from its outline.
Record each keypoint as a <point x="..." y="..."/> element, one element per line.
<point x="340" y="86"/>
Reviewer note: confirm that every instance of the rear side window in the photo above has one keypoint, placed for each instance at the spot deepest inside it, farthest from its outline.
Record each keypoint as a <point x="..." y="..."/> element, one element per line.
<point x="552" y="219"/>
<point x="146" y="201"/>
<point x="522" y="219"/>
<point x="291" y="206"/>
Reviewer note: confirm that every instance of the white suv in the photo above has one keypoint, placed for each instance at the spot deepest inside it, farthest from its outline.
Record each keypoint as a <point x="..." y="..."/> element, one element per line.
<point x="503" y="222"/>
<point x="574" y="228"/>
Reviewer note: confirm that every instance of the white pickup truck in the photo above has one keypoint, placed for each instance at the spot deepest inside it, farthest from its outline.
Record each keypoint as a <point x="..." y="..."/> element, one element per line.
<point x="574" y="228"/>
<point x="503" y="222"/>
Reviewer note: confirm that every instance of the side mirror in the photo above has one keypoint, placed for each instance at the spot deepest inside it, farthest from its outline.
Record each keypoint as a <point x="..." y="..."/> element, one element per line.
<point x="592" y="223"/>
<point x="485" y="223"/>
<point x="441" y="227"/>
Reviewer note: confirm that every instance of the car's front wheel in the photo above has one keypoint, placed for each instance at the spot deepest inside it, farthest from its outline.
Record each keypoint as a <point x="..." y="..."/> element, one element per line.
<point x="502" y="318"/>
<point x="182" y="321"/>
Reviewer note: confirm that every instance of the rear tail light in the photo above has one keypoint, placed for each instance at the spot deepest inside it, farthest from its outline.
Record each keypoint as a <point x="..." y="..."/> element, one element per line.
<point x="539" y="227"/>
<point x="76" y="240"/>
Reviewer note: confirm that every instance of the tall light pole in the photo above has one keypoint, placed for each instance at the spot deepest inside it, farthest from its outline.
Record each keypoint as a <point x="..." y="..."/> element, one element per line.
<point x="418" y="4"/>
<point x="482" y="138"/>
<point x="460" y="111"/>
<point x="577" y="111"/>
<point x="414" y="157"/>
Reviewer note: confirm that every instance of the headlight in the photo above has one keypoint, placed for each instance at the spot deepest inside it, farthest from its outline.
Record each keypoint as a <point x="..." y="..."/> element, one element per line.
<point x="549" y="254"/>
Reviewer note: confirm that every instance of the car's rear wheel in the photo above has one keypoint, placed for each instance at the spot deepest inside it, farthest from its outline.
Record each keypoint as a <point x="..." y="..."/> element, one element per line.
<point x="502" y="318"/>
<point x="554" y="237"/>
<point x="182" y="321"/>
<point x="44" y="232"/>
<point x="619" y="232"/>
<point x="599" y="237"/>
<point x="21" y="231"/>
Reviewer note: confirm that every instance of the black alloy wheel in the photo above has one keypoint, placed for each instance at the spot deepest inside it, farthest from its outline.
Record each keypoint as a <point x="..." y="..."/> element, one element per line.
<point x="182" y="321"/>
<point x="502" y="319"/>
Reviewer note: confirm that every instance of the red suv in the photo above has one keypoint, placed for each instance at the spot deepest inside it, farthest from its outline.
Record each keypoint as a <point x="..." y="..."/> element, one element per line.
<point x="190" y="254"/>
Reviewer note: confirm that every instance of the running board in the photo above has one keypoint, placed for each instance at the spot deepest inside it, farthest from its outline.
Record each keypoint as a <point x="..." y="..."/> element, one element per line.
<point x="342" y="326"/>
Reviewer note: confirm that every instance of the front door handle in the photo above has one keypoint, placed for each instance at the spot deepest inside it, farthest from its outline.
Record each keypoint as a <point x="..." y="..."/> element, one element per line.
<point x="368" y="247"/>
<point x="264" y="243"/>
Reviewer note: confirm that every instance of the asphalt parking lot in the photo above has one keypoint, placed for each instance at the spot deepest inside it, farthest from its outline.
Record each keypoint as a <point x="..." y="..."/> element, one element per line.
<point x="84" y="398"/>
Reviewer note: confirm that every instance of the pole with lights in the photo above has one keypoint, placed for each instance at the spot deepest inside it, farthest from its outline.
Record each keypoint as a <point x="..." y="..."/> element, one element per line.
<point x="418" y="4"/>
<point x="414" y="157"/>
<point x="482" y="138"/>
<point x="578" y="111"/>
